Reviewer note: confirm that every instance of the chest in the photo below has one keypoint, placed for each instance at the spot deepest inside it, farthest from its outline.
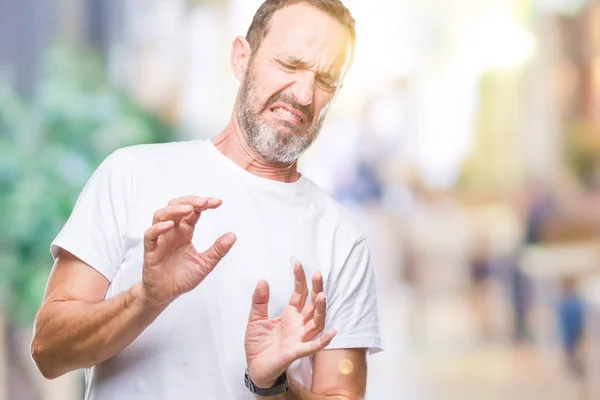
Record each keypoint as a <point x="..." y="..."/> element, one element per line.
<point x="210" y="321"/>
<point x="271" y="237"/>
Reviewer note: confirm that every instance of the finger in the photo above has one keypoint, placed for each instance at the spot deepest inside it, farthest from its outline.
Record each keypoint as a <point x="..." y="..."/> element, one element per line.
<point x="213" y="203"/>
<point x="260" y="302"/>
<point x="173" y="213"/>
<point x="190" y="200"/>
<point x="153" y="233"/>
<point x="310" y="348"/>
<point x="199" y="204"/>
<point x="308" y="311"/>
<point x="317" y="285"/>
<point x="317" y="323"/>
<point x="183" y="200"/>
<point x="196" y="201"/>
<point x="298" y="298"/>
<point x="211" y="257"/>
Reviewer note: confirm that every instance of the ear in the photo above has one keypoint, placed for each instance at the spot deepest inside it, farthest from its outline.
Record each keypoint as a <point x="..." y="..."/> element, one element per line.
<point x="240" y="57"/>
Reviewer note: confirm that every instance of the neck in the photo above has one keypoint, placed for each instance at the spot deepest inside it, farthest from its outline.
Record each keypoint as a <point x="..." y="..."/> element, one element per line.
<point x="231" y="143"/>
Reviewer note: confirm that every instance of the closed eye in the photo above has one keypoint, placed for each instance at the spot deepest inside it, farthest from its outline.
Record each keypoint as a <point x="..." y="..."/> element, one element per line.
<point x="288" y="67"/>
<point x="327" y="85"/>
<point x="326" y="82"/>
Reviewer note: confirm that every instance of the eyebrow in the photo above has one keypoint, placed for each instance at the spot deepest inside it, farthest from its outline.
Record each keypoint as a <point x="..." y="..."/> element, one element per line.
<point x="300" y="63"/>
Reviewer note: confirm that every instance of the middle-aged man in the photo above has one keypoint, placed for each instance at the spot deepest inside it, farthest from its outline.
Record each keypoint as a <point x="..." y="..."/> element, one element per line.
<point x="131" y="299"/>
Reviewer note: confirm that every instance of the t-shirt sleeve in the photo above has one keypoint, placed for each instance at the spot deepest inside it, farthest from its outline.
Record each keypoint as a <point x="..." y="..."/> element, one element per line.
<point x="96" y="229"/>
<point x="353" y="305"/>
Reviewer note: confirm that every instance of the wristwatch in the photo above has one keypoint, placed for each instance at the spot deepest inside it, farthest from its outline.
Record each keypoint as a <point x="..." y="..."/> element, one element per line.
<point x="280" y="386"/>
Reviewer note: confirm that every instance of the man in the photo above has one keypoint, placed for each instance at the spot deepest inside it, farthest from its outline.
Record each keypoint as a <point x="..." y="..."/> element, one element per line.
<point x="150" y="317"/>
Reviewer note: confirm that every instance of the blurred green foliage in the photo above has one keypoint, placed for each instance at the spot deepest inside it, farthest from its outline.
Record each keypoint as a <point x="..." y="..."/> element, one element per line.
<point x="582" y="146"/>
<point x="50" y="145"/>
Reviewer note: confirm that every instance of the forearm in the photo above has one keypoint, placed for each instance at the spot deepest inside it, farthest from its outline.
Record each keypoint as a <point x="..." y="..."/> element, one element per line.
<point x="71" y="334"/>
<point x="298" y="392"/>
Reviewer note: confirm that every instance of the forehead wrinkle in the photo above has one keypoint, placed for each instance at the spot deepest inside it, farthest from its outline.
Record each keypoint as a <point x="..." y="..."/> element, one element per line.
<point x="315" y="33"/>
<point x="309" y="43"/>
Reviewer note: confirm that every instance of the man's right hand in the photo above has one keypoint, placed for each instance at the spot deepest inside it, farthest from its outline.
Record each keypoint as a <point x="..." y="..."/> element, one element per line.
<point x="172" y="266"/>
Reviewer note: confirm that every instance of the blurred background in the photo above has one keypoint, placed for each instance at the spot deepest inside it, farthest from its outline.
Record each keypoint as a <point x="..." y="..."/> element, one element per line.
<point x="466" y="139"/>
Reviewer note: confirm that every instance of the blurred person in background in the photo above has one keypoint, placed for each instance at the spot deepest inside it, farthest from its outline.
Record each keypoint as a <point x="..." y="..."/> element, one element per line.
<point x="538" y="206"/>
<point x="110" y="303"/>
<point x="362" y="185"/>
<point x="570" y="313"/>
<point x="480" y="274"/>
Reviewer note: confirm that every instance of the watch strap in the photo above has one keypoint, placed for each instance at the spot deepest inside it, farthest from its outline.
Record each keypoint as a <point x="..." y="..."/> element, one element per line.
<point x="281" y="386"/>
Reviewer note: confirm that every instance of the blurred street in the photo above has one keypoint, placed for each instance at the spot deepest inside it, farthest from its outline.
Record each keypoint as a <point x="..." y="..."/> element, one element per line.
<point x="454" y="345"/>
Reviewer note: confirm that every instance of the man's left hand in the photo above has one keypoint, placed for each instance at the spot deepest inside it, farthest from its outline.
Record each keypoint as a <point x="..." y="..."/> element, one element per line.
<point x="273" y="344"/>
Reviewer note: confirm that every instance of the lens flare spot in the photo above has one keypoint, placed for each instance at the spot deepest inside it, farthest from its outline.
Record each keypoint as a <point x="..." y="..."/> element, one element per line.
<point x="345" y="367"/>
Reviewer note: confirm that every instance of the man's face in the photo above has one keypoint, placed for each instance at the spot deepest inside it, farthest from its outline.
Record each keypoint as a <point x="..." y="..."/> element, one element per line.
<point x="291" y="82"/>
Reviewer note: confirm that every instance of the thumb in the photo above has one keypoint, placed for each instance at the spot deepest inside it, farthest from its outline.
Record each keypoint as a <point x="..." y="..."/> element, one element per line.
<point x="211" y="257"/>
<point x="260" y="302"/>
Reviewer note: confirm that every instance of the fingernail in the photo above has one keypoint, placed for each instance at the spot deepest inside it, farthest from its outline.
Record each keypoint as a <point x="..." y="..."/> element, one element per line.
<point x="230" y="237"/>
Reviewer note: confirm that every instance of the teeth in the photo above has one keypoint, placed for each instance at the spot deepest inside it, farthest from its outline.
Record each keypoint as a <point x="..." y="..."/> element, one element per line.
<point x="285" y="112"/>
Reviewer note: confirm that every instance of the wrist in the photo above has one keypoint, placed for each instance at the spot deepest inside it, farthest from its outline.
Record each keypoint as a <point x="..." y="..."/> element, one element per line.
<point x="267" y="389"/>
<point x="264" y="385"/>
<point x="265" y="382"/>
<point x="143" y="300"/>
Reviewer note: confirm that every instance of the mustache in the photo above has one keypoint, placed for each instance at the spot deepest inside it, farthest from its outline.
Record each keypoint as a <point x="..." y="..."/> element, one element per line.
<point x="308" y="110"/>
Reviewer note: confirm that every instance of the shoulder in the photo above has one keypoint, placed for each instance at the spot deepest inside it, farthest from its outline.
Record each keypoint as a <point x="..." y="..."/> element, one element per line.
<point x="159" y="151"/>
<point x="159" y="157"/>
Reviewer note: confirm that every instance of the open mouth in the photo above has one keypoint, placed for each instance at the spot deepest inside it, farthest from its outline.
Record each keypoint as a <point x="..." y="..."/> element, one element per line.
<point x="286" y="114"/>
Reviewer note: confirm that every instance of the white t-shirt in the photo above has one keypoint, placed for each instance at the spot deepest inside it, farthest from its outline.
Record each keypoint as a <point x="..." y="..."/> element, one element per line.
<point x="195" y="348"/>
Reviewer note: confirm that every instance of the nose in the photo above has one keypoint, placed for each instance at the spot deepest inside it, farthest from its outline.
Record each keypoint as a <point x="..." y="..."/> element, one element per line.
<point x="304" y="87"/>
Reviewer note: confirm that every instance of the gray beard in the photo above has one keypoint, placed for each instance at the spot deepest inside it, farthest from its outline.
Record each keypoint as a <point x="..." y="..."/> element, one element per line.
<point x="273" y="146"/>
<point x="264" y="138"/>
